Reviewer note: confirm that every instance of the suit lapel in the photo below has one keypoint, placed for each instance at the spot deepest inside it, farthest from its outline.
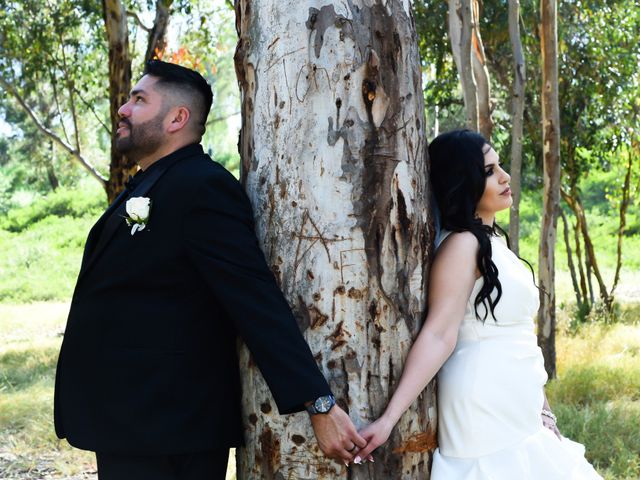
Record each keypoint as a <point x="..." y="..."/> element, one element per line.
<point x="94" y="234"/>
<point x="113" y="217"/>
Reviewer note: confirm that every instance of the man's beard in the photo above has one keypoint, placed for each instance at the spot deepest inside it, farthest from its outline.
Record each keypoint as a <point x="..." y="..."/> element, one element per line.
<point x="143" y="139"/>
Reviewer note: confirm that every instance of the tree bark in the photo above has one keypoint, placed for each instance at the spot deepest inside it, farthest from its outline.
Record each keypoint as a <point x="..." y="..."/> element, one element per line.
<point x="461" y="35"/>
<point x="551" y="177"/>
<point x="333" y="159"/>
<point x="115" y="20"/>
<point x="157" y="35"/>
<point x="517" y="120"/>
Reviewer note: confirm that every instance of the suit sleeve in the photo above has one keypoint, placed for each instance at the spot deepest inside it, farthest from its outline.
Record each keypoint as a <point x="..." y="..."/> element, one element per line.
<point x="221" y="244"/>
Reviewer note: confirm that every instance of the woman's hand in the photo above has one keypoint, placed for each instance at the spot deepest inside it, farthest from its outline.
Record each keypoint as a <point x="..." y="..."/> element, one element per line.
<point x="375" y="434"/>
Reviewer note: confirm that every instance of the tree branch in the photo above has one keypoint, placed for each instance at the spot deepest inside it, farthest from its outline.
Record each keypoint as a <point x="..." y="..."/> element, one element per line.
<point x="135" y="16"/>
<point x="54" y="84"/>
<point x="72" y="103"/>
<point x="219" y="119"/>
<point x="74" y="152"/>
<point x="90" y="107"/>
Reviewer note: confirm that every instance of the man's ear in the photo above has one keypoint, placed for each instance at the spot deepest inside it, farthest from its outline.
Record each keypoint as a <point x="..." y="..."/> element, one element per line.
<point x="178" y="118"/>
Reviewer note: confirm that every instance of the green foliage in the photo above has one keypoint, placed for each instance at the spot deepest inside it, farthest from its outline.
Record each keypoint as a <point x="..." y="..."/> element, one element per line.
<point x="48" y="233"/>
<point x="61" y="203"/>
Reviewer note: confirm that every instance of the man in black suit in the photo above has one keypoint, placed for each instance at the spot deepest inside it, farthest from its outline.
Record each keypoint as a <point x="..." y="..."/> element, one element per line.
<point x="148" y="375"/>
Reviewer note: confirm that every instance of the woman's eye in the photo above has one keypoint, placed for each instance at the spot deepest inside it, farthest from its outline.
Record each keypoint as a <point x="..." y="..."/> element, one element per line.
<point x="138" y="99"/>
<point x="489" y="172"/>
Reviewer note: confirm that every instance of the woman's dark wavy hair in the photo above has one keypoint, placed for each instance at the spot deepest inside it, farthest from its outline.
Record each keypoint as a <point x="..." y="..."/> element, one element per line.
<point x="458" y="179"/>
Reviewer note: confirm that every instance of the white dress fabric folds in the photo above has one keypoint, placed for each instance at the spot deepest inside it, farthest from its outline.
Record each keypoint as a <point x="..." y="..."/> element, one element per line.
<point x="490" y="393"/>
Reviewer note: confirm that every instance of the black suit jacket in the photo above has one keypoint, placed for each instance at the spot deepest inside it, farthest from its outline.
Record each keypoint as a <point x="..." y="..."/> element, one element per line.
<point x="148" y="362"/>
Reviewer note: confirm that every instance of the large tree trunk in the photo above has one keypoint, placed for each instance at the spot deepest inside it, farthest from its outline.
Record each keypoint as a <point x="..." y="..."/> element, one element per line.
<point x="517" y="120"/>
<point x="334" y="162"/>
<point x="551" y="177"/>
<point x="115" y="20"/>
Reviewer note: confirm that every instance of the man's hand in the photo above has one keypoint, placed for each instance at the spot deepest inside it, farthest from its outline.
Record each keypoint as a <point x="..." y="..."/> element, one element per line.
<point x="337" y="436"/>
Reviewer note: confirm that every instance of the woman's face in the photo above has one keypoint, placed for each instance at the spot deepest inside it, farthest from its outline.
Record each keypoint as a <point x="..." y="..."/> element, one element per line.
<point x="497" y="194"/>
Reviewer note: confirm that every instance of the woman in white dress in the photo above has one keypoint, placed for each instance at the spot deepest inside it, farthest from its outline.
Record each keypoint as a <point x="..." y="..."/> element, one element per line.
<point x="494" y="422"/>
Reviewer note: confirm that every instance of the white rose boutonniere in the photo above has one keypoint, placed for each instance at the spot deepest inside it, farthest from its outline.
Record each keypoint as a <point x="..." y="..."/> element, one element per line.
<point x="138" y="209"/>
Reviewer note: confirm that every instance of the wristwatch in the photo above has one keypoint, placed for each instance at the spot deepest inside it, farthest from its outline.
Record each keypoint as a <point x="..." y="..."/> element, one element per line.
<point x="321" y="405"/>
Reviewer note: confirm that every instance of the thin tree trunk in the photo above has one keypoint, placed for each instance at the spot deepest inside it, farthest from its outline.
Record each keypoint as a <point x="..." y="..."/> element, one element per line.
<point x="573" y="200"/>
<point x="461" y="35"/>
<point x="51" y="173"/>
<point x="115" y="20"/>
<point x="481" y="75"/>
<point x="624" y="205"/>
<point x="583" y="277"/>
<point x="572" y="268"/>
<point x="157" y="35"/>
<point x="551" y="177"/>
<point x="517" y="120"/>
<point x="334" y="161"/>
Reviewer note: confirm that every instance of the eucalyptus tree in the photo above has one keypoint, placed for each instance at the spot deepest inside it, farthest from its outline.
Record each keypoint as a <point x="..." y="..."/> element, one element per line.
<point x="551" y="180"/>
<point x="599" y="85"/>
<point x="333" y="154"/>
<point x="50" y="65"/>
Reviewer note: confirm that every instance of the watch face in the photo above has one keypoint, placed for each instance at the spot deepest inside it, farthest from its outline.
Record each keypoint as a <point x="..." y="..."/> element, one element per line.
<point x="323" y="404"/>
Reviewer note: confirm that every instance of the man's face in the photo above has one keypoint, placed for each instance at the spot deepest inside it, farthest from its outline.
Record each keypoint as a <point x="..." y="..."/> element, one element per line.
<point x="141" y="126"/>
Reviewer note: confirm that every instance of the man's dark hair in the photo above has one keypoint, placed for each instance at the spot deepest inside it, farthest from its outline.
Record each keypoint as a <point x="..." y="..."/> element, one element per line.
<point x="185" y="81"/>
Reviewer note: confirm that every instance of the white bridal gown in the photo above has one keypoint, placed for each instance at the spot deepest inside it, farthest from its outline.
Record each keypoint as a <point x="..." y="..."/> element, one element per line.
<point x="490" y="393"/>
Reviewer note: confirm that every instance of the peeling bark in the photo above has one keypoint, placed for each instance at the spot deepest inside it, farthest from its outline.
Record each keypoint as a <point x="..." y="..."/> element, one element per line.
<point x="551" y="178"/>
<point x="333" y="158"/>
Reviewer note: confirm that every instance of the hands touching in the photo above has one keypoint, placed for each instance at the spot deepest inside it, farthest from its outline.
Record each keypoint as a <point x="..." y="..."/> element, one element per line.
<point x="337" y="436"/>
<point x="375" y="435"/>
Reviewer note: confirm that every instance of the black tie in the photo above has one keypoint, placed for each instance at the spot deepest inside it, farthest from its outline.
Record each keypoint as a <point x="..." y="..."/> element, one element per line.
<point x="133" y="181"/>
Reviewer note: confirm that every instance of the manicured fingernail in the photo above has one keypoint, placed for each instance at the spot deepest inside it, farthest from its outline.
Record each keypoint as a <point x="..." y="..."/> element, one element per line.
<point x="372" y="460"/>
<point x="346" y="463"/>
<point x="357" y="460"/>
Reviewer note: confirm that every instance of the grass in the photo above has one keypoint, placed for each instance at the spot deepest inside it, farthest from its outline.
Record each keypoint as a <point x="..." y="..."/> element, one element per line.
<point x="29" y="346"/>
<point x="30" y="338"/>
<point x="596" y="395"/>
